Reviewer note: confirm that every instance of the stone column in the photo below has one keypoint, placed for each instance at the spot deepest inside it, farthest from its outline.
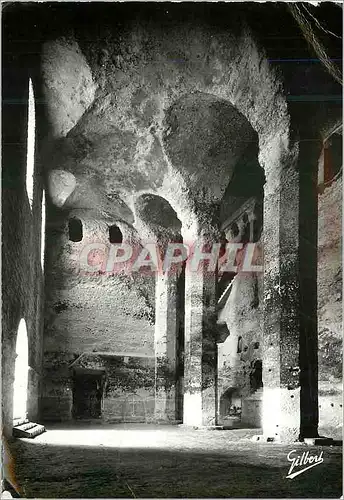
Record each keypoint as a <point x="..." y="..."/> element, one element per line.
<point x="165" y="345"/>
<point x="200" y="357"/>
<point x="289" y="349"/>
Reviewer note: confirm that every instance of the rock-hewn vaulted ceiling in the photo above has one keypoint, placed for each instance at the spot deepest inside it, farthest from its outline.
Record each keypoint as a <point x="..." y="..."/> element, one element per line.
<point x="166" y="108"/>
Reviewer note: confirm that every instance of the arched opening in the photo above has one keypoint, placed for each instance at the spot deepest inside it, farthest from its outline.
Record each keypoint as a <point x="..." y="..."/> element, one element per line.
<point x="21" y="371"/>
<point x="115" y="234"/>
<point x="30" y="154"/>
<point x="240" y="345"/>
<point x="215" y="148"/>
<point x="230" y="406"/>
<point x="75" y="229"/>
<point x="204" y="138"/>
<point x="159" y="216"/>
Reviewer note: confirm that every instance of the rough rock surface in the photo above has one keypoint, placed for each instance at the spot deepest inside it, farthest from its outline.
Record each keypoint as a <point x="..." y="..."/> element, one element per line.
<point x="241" y="351"/>
<point x="149" y="79"/>
<point x="330" y="319"/>
<point x="68" y="84"/>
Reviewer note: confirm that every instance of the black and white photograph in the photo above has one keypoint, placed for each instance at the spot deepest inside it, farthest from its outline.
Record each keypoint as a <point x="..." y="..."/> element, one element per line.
<point x="171" y="249"/>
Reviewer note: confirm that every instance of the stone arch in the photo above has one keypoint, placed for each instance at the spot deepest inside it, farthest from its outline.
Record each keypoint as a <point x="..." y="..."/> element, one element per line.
<point x="157" y="214"/>
<point x="156" y="218"/>
<point x="230" y="404"/>
<point x="201" y="141"/>
<point x="229" y="67"/>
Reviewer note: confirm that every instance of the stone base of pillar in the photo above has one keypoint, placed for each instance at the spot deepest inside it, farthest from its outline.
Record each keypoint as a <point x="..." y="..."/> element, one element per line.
<point x="177" y="423"/>
<point x="316" y="441"/>
<point x="165" y="406"/>
<point x="205" y="427"/>
<point x="281" y="414"/>
<point x="322" y="441"/>
<point x="199" y="409"/>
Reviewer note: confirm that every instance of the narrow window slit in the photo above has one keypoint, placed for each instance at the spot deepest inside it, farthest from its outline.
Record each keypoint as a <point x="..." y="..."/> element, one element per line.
<point x="115" y="234"/>
<point x="75" y="229"/>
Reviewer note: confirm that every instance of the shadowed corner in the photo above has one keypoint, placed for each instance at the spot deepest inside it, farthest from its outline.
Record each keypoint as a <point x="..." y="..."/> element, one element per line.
<point x="9" y="486"/>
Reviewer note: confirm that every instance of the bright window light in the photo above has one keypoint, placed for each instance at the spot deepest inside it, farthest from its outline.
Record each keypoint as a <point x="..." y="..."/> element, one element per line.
<point x="43" y="230"/>
<point x="21" y="373"/>
<point x="30" y="157"/>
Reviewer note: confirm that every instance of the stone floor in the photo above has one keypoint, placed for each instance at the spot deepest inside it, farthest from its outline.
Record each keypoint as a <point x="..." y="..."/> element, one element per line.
<point x="133" y="461"/>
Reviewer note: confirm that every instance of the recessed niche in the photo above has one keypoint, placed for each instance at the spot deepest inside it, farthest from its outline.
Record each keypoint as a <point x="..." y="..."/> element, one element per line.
<point x="115" y="234"/>
<point x="256" y="376"/>
<point x="75" y="229"/>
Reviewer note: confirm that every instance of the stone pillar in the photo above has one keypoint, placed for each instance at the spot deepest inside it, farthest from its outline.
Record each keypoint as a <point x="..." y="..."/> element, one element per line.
<point x="308" y="268"/>
<point x="200" y="357"/>
<point x="165" y="345"/>
<point x="290" y="408"/>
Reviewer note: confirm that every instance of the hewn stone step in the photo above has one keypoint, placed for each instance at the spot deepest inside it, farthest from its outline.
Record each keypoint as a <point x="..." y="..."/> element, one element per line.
<point x="19" y="421"/>
<point x="26" y="426"/>
<point x="28" y="430"/>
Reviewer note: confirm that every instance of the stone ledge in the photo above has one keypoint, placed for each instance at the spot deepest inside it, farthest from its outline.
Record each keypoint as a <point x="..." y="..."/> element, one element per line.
<point x="323" y="441"/>
<point x="316" y="441"/>
<point x="208" y="427"/>
<point x="165" y="422"/>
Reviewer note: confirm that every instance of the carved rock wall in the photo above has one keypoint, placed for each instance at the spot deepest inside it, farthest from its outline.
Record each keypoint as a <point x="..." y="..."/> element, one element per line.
<point x="330" y="310"/>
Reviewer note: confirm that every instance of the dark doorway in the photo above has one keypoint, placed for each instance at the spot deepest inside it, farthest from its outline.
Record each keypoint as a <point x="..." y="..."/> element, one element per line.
<point x="230" y="404"/>
<point x="256" y="375"/>
<point x="87" y="395"/>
